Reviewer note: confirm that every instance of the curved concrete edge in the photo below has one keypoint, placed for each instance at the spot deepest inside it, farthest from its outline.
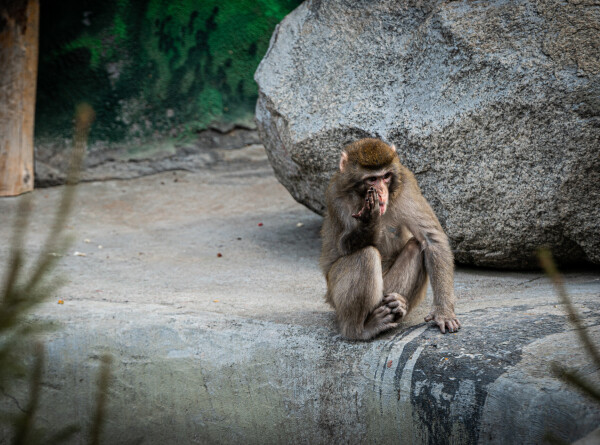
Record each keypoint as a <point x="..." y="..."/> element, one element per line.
<point x="591" y="439"/>
<point x="209" y="378"/>
<point x="534" y="404"/>
<point x="241" y="348"/>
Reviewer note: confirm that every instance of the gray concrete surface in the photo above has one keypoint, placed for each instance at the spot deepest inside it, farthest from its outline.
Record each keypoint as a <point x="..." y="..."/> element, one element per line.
<point x="242" y="348"/>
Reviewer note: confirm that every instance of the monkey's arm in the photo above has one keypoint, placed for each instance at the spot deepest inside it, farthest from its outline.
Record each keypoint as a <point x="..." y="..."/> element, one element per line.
<point x="420" y="219"/>
<point x="359" y="229"/>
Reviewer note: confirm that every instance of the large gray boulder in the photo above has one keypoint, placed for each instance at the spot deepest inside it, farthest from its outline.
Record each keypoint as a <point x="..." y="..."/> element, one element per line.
<point x="495" y="106"/>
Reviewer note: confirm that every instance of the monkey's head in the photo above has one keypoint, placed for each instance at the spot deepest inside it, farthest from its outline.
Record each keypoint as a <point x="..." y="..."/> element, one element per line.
<point x="371" y="163"/>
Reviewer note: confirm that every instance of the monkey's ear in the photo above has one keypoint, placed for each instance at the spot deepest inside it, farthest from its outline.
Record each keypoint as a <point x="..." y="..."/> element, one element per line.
<point x="343" y="161"/>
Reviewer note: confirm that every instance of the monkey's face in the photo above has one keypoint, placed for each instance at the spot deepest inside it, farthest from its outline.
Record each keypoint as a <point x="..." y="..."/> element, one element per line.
<point x="380" y="181"/>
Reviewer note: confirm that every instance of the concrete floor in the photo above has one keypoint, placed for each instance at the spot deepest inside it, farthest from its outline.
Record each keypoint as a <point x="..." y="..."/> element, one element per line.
<point x="241" y="348"/>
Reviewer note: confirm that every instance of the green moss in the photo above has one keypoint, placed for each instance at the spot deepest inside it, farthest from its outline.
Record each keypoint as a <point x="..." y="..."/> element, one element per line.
<point x="134" y="59"/>
<point x="120" y="28"/>
<point x="209" y="107"/>
<point x="186" y="82"/>
<point x="92" y="44"/>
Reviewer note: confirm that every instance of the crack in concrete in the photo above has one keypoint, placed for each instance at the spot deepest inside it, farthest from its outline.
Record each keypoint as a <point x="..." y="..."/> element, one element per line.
<point x="529" y="281"/>
<point x="14" y="399"/>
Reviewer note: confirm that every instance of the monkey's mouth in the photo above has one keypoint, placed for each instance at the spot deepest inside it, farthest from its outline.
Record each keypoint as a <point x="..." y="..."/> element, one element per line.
<point x="382" y="207"/>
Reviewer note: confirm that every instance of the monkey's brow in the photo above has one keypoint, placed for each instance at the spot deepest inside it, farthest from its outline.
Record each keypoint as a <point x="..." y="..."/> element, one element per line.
<point x="371" y="173"/>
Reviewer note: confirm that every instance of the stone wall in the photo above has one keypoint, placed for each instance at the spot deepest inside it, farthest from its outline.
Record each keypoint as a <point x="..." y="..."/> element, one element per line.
<point x="150" y="68"/>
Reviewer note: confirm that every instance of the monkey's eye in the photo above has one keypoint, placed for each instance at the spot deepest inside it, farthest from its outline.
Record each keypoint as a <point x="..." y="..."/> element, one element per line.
<point x="387" y="176"/>
<point x="372" y="179"/>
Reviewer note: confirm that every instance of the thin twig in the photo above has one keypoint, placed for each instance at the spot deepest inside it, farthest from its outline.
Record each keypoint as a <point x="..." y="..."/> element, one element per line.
<point x="84" y="116"/>
<point x="576" y="380"/>
<point x="25" y="424"/>
<point x="100" y="413"/>
<point x="548" y="264"/>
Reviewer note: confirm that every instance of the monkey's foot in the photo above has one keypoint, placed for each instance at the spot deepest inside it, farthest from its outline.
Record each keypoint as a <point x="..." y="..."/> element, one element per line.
<point x="397" y="303"/>
<point x="381" y="319"/>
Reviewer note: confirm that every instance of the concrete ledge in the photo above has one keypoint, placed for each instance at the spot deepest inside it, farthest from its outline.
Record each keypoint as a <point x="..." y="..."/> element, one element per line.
<point x="242" y="349"/>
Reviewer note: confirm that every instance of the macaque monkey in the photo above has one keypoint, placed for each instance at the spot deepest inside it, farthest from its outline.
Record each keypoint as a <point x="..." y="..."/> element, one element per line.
<point x="381" y="244"/>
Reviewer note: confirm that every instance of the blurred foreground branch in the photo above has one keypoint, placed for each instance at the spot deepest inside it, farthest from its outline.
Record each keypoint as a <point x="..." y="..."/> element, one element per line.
<point x="22" y="289"/>
<point x="550" y="268"/>
<point x="569" y="375"/>
<point x="99" y="415"/>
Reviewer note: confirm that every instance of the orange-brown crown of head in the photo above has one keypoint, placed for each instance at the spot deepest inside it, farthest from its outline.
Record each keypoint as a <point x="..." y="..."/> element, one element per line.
<point x="371" y="153"/>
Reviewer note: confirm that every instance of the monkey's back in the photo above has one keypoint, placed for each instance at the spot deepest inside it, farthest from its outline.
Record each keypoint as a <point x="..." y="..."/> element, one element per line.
<point x="330" y="232"/>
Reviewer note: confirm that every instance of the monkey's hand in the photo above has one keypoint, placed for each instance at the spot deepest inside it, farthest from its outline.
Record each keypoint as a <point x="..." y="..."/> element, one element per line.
<point x="444" y="318"/>
<point x="370" y="209"/>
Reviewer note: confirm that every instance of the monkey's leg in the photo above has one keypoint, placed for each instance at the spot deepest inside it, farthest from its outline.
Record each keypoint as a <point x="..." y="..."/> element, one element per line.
<point x="406" y="280"/>
<point x="355" y="289"/>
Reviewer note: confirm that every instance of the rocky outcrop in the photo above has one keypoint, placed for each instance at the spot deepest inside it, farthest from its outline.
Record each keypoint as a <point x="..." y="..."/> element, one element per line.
<point x="495" y="106"/>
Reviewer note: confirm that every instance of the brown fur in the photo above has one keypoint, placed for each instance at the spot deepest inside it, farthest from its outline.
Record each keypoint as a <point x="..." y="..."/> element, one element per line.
<point x="371" y="153"/>
<point x="377" y="268"/>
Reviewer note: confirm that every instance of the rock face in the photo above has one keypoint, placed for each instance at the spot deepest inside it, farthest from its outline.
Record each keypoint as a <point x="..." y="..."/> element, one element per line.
<point x="495" y="106"/>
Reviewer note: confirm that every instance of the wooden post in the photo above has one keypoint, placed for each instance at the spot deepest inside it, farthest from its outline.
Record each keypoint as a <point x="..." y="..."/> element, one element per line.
<point x="19" y="27"/>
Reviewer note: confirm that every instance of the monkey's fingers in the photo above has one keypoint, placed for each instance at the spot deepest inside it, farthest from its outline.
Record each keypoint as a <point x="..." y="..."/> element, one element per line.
<point x="390" y="299"/>
<point x="393" y="304"/>
<point x="369" y="203"/>
<point x="381" y="311"/>
<point x="375" y="196"/>
<point x="397" y="303"/>
<point x="453" y="325"/>
<point x="386" y="318"/>
<point x="361" y="213"/>
<point x="373" y="202"/>
<point x="450" y="324"/>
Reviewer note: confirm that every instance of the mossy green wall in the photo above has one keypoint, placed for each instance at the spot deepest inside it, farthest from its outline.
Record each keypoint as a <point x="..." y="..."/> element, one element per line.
<point x="151" y="67"/>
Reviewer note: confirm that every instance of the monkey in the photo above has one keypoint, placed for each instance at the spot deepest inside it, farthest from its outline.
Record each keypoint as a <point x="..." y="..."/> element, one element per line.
<point x="381" y="244"/>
